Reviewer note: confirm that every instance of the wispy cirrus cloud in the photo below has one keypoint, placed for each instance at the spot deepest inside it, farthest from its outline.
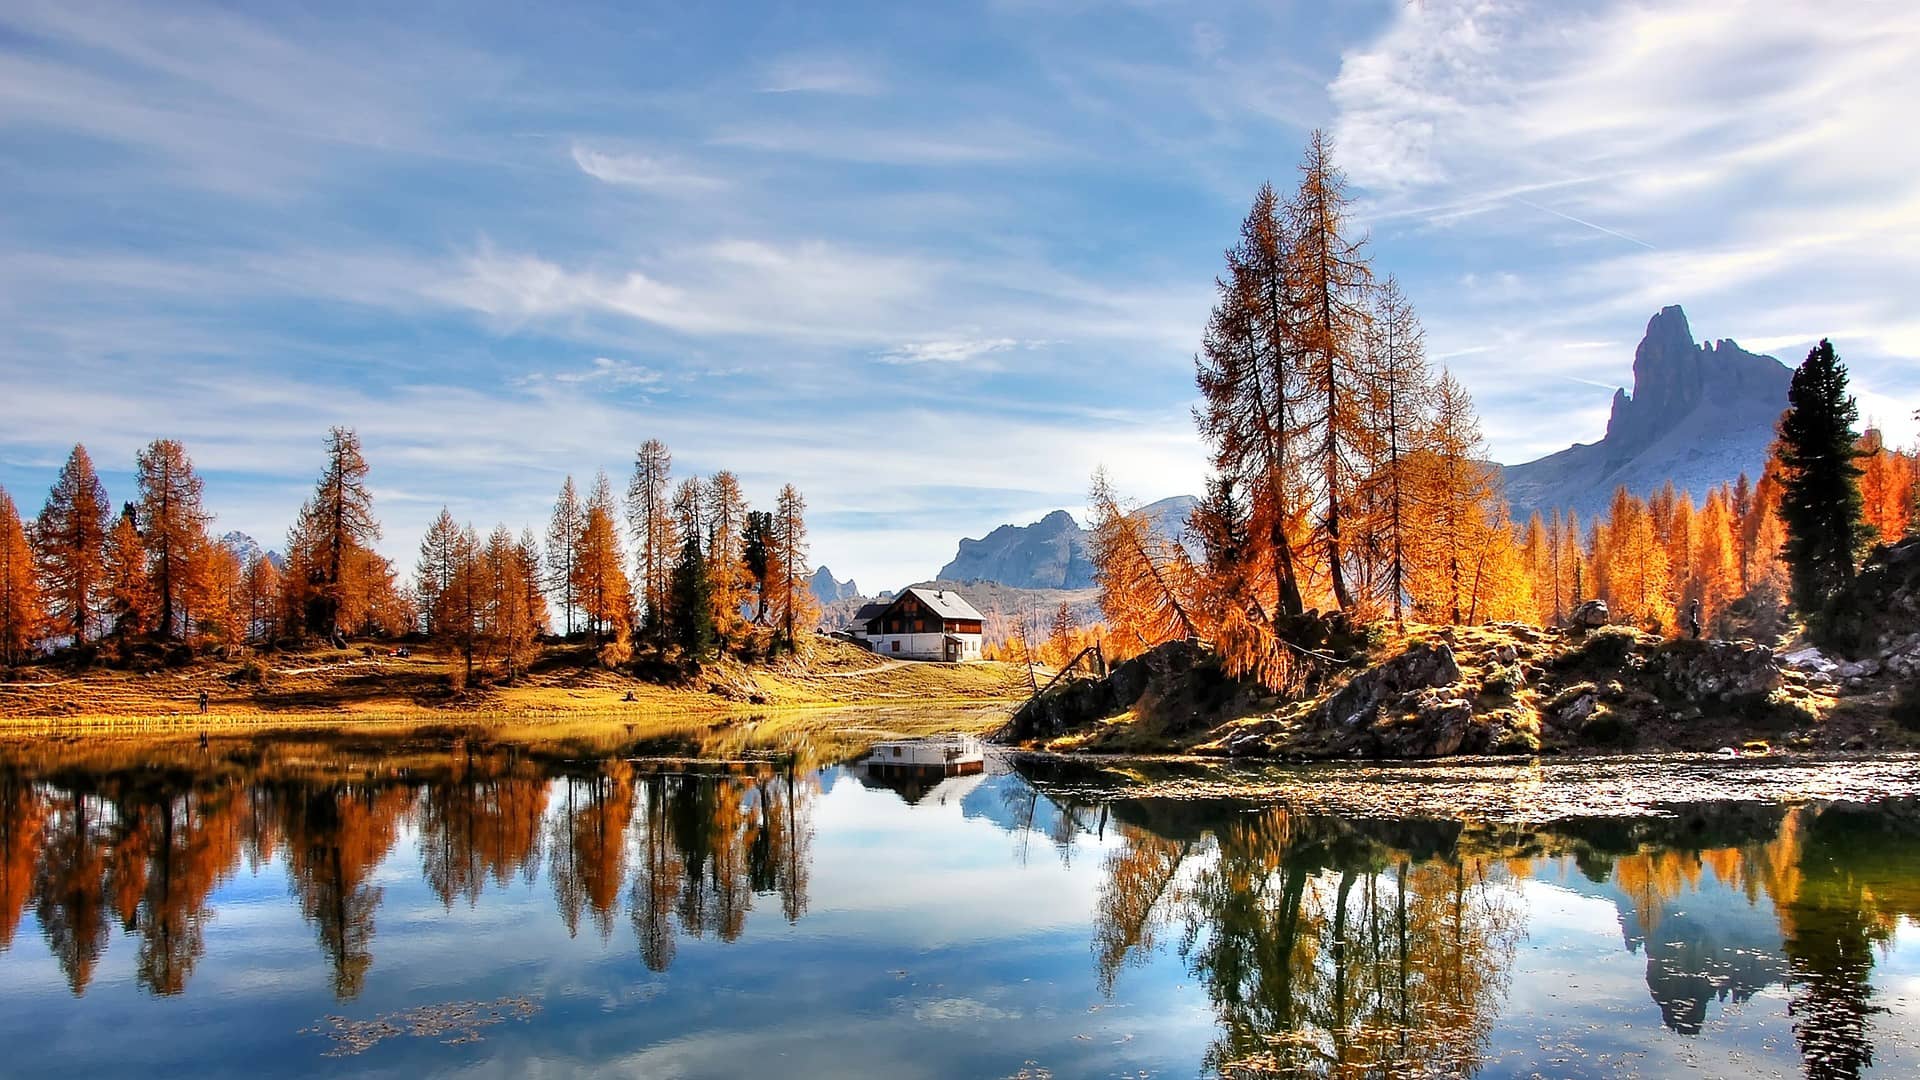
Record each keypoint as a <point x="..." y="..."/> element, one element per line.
<point x="947" y="352"/>
<point x="820" y="75"/>
<point x="654" y="173"/>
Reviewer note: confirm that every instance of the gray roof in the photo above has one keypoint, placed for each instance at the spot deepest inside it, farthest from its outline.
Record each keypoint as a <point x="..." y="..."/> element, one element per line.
<point x="944" y="602"/>
<point x="869" y="612"/>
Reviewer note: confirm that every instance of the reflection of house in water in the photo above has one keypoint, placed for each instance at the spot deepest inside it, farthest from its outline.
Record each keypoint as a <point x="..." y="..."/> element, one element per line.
<point x="914" y="768"/>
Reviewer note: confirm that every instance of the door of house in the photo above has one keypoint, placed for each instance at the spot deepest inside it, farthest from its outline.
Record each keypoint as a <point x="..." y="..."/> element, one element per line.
<point x="953" y="651"/>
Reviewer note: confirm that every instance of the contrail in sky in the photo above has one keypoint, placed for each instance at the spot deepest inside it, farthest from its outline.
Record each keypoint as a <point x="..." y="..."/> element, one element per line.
<point x="1588" y="224"/>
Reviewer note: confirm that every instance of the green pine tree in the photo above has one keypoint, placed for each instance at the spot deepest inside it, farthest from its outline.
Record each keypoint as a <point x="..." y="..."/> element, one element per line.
<point x="1820" y="501"/>
<point x="690" y="601"/>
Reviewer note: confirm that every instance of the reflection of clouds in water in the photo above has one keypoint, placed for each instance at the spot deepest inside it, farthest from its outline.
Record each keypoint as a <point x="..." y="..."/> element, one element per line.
<point x="960" y="1011"/>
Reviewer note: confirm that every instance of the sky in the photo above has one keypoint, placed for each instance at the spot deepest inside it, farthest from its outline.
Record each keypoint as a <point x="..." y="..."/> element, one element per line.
<point x="932" y="264"/>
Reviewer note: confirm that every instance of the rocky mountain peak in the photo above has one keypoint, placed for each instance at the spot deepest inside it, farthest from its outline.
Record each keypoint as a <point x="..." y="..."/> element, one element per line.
<point x="1672" y="376"/>
<point x="1698" y="414"/>
<point x="827" y="588"/>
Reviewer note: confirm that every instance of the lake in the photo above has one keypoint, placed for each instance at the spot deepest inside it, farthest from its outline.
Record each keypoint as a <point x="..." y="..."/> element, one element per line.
<point x="332" y="907"/>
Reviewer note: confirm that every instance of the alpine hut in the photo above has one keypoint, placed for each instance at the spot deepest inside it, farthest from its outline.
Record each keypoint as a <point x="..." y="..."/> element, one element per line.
<point x="927" y="623"/>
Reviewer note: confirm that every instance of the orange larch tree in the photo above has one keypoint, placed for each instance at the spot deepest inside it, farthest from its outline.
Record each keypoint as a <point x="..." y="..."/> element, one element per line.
<point x="1248" y="373"/>
<point x="1463" y="522"/>
<point x="70" y="543"/>
<point x="601" y="587"/>
<point x="793" y="604"/>
<point x="21" y="615"/>
<point x="172" y="522"/>
<point x="1332" y="280"/>
<point x="726" y="566"/>
<point x="130" y="596"/>
<point x="1714" y="567"/>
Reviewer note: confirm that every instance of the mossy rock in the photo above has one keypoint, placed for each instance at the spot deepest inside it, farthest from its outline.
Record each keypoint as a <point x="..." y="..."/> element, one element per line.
<point x="1604" y="649"/>
<point x="1607" y="727"/>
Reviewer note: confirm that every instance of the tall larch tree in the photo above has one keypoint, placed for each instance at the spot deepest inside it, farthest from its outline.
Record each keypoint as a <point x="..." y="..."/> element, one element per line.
<point x="1333" y="279"/>
<point x="563" y="549"/>
<point x="172" y="521"/>
<point x="1248" y="373"/>
<point x="261" y="589"/>
<point x="216" y="596"/>
<point x="1462" y="519"/>
<point x="507" y="619"/>
<point x="21" y="615"/>
<point x="1820" y="500"/>
<point x="1715" y="567"/>
<point x="130" y="597"/>
<point x="1401" y="390"/>
<point x="462" y="614"/>
<point x="650" y="526"/>
<point x="336" y="522"/>
<point x="70" y="541"/>
<point x="794" y="607"/>
<point x="539" y="616"/>
<point x="726" y="564"/>
<point x="433" y="575"/>
<point x="601" y="586"/>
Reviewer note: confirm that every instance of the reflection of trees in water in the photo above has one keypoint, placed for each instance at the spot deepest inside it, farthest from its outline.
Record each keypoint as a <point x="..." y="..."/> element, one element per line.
<point x="589" y="844"/>
<point x="149" y="848"/>
<point x="1327" y="947"/>
<point x="69" y="885"/>
<point x="480" y="826"/>
<point x="192" y="844"/>
<point x="1836" y="878"/>
<point x="336" y="836"/>
<point x="1857" y="881"/>
<point x="23" y="819"/>
<point x="708" y="845"/>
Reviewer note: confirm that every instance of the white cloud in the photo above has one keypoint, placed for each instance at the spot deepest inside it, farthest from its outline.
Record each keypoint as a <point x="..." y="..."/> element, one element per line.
<point x="1732" y="157"/>
<point x="820" y="75"/>
<point x="946" y="352"/>
<point x="653" y="173"/>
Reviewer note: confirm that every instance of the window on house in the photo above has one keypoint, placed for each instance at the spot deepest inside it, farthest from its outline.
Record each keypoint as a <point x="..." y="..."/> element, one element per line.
<point x="896" y="646"/>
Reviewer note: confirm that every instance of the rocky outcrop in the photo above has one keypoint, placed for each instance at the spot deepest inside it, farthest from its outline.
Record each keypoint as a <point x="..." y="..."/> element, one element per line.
<point x="1698" y="415"/>
<point x="1182" y="683"/>
<point x="1359" y="703"/>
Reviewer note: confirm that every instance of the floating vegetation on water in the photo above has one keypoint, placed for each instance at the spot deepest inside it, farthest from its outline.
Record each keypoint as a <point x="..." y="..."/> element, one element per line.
<point x="452" y="1022"/>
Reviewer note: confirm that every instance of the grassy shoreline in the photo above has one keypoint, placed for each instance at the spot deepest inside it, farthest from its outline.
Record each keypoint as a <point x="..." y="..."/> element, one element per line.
<point x="349" y="690"/>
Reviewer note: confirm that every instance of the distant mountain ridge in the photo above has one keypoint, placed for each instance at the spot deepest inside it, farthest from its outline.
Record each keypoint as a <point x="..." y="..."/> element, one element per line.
<point x="1050" y="553"/>
<point x="1699" y="415"/>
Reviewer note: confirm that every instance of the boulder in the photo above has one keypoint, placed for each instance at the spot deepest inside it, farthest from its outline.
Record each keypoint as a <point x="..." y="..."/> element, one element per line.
<point x="1358" y="703"/>
<point x="1591" y="615"/>
<point x="1437" y="727"/>
<point x="1808" y="659"/>
<point x="1721" y="671"/>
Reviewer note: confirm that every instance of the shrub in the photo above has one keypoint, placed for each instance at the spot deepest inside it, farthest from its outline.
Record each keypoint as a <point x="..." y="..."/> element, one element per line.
<point x="615" y="655"/>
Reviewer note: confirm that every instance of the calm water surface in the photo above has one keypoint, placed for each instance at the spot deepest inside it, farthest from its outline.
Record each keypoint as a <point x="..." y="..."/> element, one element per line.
<point x="334" y="910"/>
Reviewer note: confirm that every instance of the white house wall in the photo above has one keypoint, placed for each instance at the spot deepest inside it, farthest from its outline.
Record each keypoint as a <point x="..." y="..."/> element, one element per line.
<point x="928" y="646"/>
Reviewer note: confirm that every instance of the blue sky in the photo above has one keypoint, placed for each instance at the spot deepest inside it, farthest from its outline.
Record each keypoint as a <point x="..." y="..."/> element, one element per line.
<point x="509" y="241"/>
